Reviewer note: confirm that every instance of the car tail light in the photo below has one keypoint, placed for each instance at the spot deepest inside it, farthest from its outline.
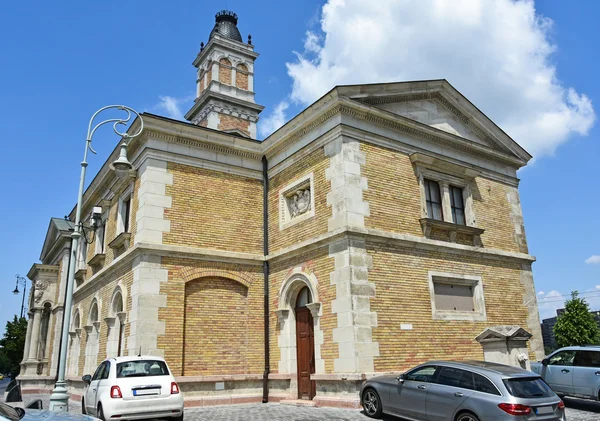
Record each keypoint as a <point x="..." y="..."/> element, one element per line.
<point x="115" y="392"/>
<point x="515" y="408"/>
<point x="561" y="405"/>
<point x="174" y="388"/>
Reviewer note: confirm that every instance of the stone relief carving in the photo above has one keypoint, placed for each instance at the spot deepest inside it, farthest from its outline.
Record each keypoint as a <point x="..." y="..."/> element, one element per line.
<point x="299" y="202"/>
<point x="40" y="287"/>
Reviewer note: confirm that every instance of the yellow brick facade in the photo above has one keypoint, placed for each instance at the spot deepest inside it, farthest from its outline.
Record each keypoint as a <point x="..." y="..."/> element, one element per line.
<point x="214" y="210"/>
<point x="403" y="297"/>
<point x="316" y="163"/>
<point x="213" y="318"/>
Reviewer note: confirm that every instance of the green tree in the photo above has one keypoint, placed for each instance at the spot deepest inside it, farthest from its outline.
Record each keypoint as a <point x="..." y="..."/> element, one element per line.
<point x="13" y="344"/>
<point x="576" y="326"/>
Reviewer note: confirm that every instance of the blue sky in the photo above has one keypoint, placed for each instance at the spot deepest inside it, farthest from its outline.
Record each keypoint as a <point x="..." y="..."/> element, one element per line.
<point x="532" y="71"/>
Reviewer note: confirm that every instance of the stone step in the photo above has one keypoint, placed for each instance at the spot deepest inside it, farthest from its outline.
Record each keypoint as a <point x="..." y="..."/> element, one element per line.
<point x="297" y="402"/>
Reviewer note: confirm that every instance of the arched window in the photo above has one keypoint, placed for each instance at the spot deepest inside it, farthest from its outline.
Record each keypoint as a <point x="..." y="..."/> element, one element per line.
<point x="304" y="298"/>
<point x="241" y="77"/>
<point x="116" y="326"/>
<point x="74" y="344"/>
<point x="44" y="327"/>
<point x="93" y="339"/>
<point x="225" y="71"/>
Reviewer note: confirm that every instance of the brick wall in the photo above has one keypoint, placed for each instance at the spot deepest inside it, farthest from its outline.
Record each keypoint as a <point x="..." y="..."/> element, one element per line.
<point x="228" y="122"/>
<point x="395" y="203"/>
<point x="225" y="71"/>
<point x="316" y="162"/>
<point x="403" y="297"/>
<point x="213" y="209"/>
<point x="222" y="323"/>
<point x="241" y="77"/>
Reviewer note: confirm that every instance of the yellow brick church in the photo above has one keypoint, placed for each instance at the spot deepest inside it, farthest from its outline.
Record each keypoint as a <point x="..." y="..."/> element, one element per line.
<point x="379" y="228"/>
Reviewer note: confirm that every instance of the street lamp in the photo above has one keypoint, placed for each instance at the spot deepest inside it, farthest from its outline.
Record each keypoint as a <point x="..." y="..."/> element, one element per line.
<point x="23" y="281"/>
<point x="59" y="400"/>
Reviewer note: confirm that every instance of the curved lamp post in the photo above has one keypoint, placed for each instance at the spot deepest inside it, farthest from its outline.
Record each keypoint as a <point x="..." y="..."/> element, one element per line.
<point x="22" y="281"/>
<point x="59" y="400"/>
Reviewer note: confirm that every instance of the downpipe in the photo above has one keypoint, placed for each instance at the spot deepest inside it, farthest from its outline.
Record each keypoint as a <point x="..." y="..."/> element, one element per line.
<point x="265" y="398"/>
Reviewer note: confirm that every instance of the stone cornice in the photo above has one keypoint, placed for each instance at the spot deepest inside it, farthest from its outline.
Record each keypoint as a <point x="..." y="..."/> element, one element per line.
<point x="324" y="240"/>
<point x="39" y="268"/>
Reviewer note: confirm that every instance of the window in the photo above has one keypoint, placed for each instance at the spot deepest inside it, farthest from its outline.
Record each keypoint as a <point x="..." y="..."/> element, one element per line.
<point x="434" y="200"/>
<point x="453" y="297"/>
<point x="124" y="211"/>
<point x="422" y="374"/>
<point x="456" y="377"/>
<point x="141" y="368"/>
<point x="104" y="374"/>
<point x="484" y="385"/>
<point x="456" y="297"/>
<point x="98" y="371"/>
<point x="588" y="359"/>
<point x="457" y="205"/>
<point x="528" y="387"/>
<point x="82" y="261"/>
<point x="562" y="358"/>
<point x="100" y="233"/>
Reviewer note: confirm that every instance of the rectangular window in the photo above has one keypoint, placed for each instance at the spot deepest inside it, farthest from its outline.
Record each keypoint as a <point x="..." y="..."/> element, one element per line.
<point x="82" y="261"/>
<point x="453" y="297"/>
<point x="126" y="212"/>
<point x="588" y="359"/>
<point x="456" y="297"/>
<point x="528" y="387"/>
<point x="100" y="238"/>
<point x="434" y="200"/>
<point x="457" y="204"/>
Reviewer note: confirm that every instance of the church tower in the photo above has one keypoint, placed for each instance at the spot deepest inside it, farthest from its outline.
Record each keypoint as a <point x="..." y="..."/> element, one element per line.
<point x="225" y="85"/>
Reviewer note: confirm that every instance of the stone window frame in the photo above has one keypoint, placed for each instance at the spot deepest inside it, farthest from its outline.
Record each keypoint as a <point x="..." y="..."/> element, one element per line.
<point x="445" y="181"/>
<point x="100" y="246"/>
<point x="285" y="219"/>
<point x="479" y="315"/>
<point x="126" y="194"/>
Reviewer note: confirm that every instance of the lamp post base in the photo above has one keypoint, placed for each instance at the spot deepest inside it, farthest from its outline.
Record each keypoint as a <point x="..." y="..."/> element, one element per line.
<point x="59" y="400"/>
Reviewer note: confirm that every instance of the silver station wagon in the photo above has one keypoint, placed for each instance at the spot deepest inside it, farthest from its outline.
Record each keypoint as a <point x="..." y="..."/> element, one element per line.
<point x="462" y="391"/>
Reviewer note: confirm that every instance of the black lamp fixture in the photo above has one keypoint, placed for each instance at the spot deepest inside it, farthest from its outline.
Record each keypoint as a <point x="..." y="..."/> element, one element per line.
<point x="23" y="281"/>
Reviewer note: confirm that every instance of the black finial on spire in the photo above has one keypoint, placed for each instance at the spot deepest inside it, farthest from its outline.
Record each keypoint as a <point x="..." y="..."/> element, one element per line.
<point x="202" y="46"/>
<point x="249" y="39"/>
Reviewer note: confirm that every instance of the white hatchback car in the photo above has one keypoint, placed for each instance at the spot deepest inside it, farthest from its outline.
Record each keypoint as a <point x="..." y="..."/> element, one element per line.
<point x="132" y="388"/>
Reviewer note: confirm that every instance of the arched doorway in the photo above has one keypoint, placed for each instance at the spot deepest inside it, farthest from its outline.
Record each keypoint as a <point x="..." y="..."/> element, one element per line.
<point x="305" y="345"/>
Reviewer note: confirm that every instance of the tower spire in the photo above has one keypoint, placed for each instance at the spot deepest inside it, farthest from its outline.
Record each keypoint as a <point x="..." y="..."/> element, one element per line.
<point x="225" y="83"/>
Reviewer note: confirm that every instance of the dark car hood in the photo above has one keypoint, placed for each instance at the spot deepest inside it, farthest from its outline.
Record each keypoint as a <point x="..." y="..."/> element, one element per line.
<point x="45" y="415"/>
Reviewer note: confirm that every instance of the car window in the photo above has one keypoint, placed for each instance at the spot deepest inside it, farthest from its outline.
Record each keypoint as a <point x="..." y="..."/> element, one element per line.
<point x="456" y="377"/>
<point x="484" y="385"/>
<point x="528" y="387"/>
<point x="562" y="358"/>
<point x="588" y="359"/>
<point x="96" y="375"/>
<point x="422" y="374"/>
<point x="106" y="371"/>
<point x="140" y="368"/>
<point x="9" y="412"/>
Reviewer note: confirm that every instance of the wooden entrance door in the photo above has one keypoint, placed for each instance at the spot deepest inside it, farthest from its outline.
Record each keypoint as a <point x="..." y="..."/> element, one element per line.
<point x="305" y="344"/>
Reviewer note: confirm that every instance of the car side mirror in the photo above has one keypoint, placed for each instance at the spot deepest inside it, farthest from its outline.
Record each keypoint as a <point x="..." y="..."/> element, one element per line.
<point x="400" y="378"/>
<point x="545" y="361"/>
<point x="36" y="404"/>
<point x="87" y="378"/>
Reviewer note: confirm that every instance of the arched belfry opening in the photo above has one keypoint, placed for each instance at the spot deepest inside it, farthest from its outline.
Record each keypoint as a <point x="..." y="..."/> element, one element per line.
<point x="300" y="334"/>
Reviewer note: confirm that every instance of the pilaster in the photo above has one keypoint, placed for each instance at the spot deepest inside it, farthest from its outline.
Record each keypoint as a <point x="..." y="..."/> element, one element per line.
<point x="355" y="320"/>
<point x="146" y="299"/>
<point x="153" y="200"/>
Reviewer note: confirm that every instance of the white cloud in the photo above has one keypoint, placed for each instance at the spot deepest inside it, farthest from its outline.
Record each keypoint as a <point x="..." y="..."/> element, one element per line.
<point x="541" y="293"/>
<point x="497" y="53"/>
<point x="172" y="106"/>
<point x="549" y="303"/>
<point x="273" y="121"/>
<point x="593" y="260"/>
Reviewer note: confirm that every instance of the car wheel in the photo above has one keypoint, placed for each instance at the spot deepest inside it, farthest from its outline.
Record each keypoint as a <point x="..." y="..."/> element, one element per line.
<point x="372" y="404"/>
<point x="467" y="416"/>
<point x="82" y="406"/>
<point x="100" y="412"/>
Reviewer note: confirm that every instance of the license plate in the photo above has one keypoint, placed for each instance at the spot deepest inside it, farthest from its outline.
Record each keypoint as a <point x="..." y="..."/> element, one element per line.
<point x="141" y="392"/>
<point x="542" y="410"/>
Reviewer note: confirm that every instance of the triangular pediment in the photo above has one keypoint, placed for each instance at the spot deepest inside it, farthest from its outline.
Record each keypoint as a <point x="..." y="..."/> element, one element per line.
<point x="437" y="105"/>
<point x="56" y="229"/>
